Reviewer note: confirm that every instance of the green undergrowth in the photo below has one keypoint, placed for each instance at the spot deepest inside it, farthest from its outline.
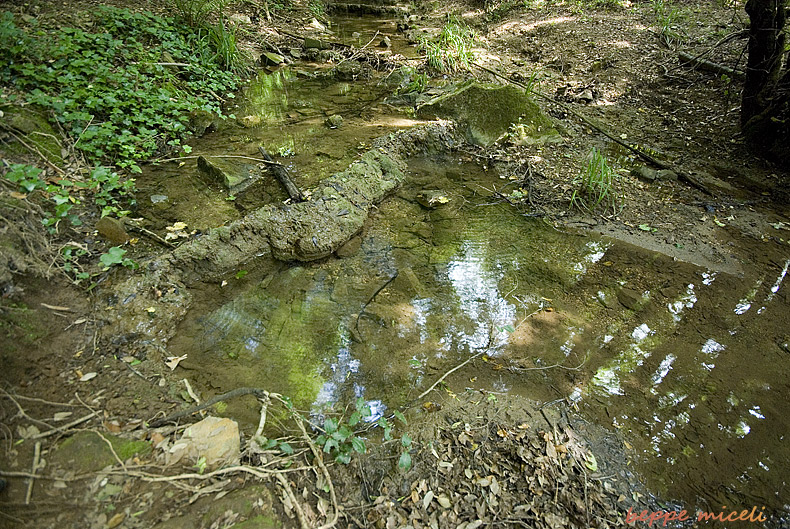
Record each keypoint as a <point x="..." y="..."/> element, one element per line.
<point x="451" y="50"/>
<point x="597" y="187"/>
<point x="123" y="88"/>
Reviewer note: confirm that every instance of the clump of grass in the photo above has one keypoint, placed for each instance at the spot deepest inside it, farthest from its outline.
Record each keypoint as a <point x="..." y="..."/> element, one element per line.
<point x="196" y="13"/>
<point x="451" y="50"/>
<point x="597" y="186"/>
<point x="228" y="54"/>
<point x="667" y="18"/>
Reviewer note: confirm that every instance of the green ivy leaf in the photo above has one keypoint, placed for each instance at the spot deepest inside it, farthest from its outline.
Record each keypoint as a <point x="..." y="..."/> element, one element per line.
<point x="286" y="448"/>
<point x="404" y="462"/>
<point x="398" y="415"/>
<point x="359" y="445"/>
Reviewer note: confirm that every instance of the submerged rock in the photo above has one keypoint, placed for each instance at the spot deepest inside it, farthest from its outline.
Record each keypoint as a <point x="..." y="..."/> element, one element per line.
<point x="488" y="112"/>
<point x="233" y="175"/>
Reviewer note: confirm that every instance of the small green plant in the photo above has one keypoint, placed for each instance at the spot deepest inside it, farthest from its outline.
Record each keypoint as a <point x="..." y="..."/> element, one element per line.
<point x="228" y="55"/>
<point x="317" y="9"/>
<point x="115" y="256"/>
<point x="71" y="265"/>
<point x="342" y="438"/>
<point x="26" y="177"/>
<point x="596" y="187"/>
<point x="112" y="88"/>
<point x="451" y="50"/>
<point x="417" y="84"/>
<point x="667" y="18"/>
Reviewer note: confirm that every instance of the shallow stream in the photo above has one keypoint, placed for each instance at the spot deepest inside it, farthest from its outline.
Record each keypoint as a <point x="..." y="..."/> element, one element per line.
<point x="689" y="365"/>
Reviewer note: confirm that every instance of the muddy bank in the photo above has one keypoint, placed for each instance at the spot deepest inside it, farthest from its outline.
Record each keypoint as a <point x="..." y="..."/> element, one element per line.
<point x="146" y="307"/>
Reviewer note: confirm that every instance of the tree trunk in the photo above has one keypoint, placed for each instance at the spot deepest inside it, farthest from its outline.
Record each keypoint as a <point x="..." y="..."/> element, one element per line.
<point x="765" y="102"/>
<point x="766" y="50"/>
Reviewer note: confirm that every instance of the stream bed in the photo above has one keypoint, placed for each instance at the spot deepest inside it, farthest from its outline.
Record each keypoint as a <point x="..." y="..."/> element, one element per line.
<point x="689" y="365"/>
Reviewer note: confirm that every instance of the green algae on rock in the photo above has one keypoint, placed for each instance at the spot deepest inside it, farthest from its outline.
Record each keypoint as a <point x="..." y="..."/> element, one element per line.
<point x="487" y="112"/>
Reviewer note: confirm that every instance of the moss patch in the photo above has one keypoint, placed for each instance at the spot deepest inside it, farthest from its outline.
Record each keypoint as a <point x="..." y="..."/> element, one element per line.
<point x="488" y="112"/>
<point x="88" y="452"/>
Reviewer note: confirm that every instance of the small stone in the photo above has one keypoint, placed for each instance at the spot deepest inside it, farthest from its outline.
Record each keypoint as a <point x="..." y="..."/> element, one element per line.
<point x="629" y="298"/>
<point x="112" y="230"/>
<point x="238" y="18"/>
<point x="271" y="59"/>
<point x="645" y="173"/>
<point x="666" y="174"/>
<point x="385" y="43"/>
<point x="334" y="121"/>
<point x="216" y="439"/>
<point x="156" y="199"/>
<point x="317" y="44"/>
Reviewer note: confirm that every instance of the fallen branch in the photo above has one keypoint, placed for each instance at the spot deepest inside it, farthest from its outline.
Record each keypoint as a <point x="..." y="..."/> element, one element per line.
<point x="33" y="476"/>
<point x="65" y="426"/>
<point x="704" y="64"/>
<point x="282" y="176"/>
<point x="453" y="370"/>
<point x="320" y="460"/>
<point x="370" y="300"/>
<point x="260" y="393"/>
<point x="591" y="123"/>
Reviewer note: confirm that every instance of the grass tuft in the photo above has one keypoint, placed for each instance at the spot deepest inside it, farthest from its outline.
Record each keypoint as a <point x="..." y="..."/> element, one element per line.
<point x="451" y="50"/>
<point x="597" y="186"/>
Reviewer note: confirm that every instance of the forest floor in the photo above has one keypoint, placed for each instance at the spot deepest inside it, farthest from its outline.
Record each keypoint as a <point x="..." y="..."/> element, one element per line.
<point x="476" y="461"/>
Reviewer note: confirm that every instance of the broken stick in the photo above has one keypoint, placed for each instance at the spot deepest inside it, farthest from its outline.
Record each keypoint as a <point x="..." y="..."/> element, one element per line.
<point x="282" y="176"/>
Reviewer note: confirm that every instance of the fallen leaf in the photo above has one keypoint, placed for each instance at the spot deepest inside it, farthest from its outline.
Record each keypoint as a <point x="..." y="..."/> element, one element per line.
<point x="88" y="376"/>
<point x="61" y="416"/>
<point x="444" y="501"/>
<point x="173" y="361"/>
<point x="426" y="500"/>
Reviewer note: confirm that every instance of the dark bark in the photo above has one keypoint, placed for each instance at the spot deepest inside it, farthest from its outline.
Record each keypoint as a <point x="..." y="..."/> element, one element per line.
<point x="766" y="50"/>
<point x="282" y="176"/>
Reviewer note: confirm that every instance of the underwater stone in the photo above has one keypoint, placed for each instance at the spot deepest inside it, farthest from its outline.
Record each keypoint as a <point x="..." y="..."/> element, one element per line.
<point x="233" y="176"/>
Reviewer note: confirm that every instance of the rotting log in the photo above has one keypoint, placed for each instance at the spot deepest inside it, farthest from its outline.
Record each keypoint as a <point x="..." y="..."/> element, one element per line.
<point x="282" y="176"/>
<point x="703" y="64"/>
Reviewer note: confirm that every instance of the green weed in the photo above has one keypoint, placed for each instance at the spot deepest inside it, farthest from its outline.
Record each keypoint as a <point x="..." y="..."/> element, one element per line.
<point x="451" y="50"/>
<point x="341" y="438"/>
<point x="667" y="18"/>
<point x="122" y="91"/>
<point x="196" y="13"/>
<point x="597" y="186"/>
<point x="228" y="55"/>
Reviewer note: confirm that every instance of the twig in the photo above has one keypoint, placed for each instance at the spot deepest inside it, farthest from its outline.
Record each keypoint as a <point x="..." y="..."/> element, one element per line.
<point x="356" y="52"/>
<point x="35" y="150"/>
<point x="298" y="506"/>
<point x="320" y="460"/>
<point x="191" y="391"/>
<point x="42" y="401"/>
<point x="453" y="370"/>
<point x="370" y="300"/>
<point x="261" y="160"/>
<point x="194" y="409"/>
<point x="36" y="459"/>
<point x="65" y="426"/>
<point x="22" y="411"/>
<point x="112" y="450"/>
<point x="151" y="234"/>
